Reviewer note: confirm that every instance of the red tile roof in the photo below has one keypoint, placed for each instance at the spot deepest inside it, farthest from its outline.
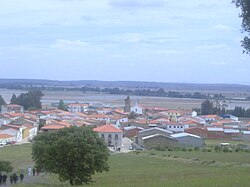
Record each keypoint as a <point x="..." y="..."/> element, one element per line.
<point x="52" y="127"/>
<point x="107" y="128"/>
<point x="5" y="136"/>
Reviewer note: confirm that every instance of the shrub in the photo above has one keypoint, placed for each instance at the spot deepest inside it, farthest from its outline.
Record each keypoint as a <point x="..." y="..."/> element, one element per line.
<point x="196" y="148"/>
<point x="217" y="148"/>
<point x="183" y="149"/>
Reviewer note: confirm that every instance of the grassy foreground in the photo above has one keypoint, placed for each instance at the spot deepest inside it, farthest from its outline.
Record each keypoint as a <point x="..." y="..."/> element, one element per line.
<point x="153" y="168"/>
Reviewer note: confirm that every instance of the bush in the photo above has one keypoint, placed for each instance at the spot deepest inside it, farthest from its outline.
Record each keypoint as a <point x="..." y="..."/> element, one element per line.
<point x="176" y="148"/>
<point x="183" y="149"/>
<point x="160" y="148"/>
<point x="217" y="148"/>
<point x="196" y="148"/>
<point x="190" y="149"/>
<point x="204" y="149"/>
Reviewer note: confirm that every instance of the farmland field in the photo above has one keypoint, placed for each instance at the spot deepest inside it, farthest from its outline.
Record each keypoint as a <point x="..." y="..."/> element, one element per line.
<point x="153" y="168"/>
<point x="116" y="100"/>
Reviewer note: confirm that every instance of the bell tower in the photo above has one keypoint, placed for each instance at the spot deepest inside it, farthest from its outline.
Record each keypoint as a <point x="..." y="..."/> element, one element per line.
<point x="127" y="104"/>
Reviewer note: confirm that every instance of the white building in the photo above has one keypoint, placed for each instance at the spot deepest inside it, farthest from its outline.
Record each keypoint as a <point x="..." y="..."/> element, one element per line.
<point x="78" y="107"/>
<point x="11" y="108"/>
<point x="137" y="109"/>
<point x="176" y="126"/>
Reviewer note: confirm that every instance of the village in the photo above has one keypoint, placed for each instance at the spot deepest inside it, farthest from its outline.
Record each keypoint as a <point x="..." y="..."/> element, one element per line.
<point x="132" y="127"/>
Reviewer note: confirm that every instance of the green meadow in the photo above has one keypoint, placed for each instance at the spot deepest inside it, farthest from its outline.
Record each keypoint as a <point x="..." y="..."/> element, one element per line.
<point x="152" y="168"/>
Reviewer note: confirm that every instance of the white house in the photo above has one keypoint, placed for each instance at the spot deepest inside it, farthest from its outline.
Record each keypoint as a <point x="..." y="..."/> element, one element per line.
<point x="78" y="107"/>
<point x="137" y="109"/>
<point x="176" y="126"/>
<point x="121" y="120"/>
<point x="11" y="108"/>
<point x="5" y="138"/>
<point x="110" y="134"/>
<point x="15" y="132"/>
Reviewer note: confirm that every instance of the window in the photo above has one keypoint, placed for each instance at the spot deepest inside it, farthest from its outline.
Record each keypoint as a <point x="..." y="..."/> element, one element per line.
<point x="174" y="126"/>
<point x="116" y="137"/>
<point x="181" y="126"/>
<point x="102" y="136"/>
<point x="110" y="136"/>
<point x="170" y="126"/>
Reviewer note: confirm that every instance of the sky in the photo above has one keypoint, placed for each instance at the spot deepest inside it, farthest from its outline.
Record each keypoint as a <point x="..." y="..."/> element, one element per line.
<point x="194" y="41"/>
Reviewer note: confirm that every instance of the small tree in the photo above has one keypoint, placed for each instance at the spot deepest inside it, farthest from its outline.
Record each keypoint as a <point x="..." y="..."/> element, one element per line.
<point x="74" y="153"/>
<point x="132" y="115"/>
<point x="13" y="99"/>
<point x="5" y="166"/>
<point x="2" y="102"/>
<point x="61" y="105"/>
<point x="207" y="107"/>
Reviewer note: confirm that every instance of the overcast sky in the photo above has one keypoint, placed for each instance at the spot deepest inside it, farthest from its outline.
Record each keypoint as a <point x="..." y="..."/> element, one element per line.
<point x="143" y="40"/>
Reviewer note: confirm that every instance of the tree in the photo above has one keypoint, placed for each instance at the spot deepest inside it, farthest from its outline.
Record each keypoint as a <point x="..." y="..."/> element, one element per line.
<point x="5" y="166"/>
<point x="244" y="5"/>
<point x="207" y="107"/>
<point x="13" y="99"/>
<point x="2" y="102"/>
<point x="132" y="115"/>
<point x="74" y="153"/>
<point x="30" y="100"/>
<point x="61" y="105"/>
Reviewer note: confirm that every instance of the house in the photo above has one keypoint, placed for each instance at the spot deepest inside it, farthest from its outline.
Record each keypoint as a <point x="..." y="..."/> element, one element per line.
<point x="78" y="107"/>
<point x="215" y="133"/>
<point x="176" y="126"/>
<point x="151" y="131"/>
<point x="4" y="120"/>
<point x="131" y="131"/>
<point x="211" y="118"/>
<point x="32" y="131"/>
<point x="199" y="131"/>
<point x="51" y="128"/>
<point x="230" y="116"/>
<point x="5" y="138"/>
<point x="138" y="109"/>
<point x="158" y="140"/>
<point x="188" y="140"/>
<point x="231" y="134"/>
<point x="245" y="136"/>
<point x="111" y="135"/>
<point x="99" y="117"/>
<point x="11" y="108"/>
<point x="15" y="131"/>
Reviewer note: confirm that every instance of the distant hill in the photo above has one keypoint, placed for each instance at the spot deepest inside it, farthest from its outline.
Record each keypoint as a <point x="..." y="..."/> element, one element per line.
<point x="15" y="83"/>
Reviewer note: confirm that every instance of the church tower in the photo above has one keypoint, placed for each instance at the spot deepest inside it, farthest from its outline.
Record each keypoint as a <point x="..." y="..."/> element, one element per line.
<point x="127" y="104"/>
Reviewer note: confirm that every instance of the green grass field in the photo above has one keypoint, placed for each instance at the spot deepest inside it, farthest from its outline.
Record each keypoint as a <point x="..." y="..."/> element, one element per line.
<point x="153" y="168"/>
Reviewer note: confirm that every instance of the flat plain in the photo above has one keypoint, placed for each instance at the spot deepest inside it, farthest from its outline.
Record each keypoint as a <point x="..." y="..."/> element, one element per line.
<point x="51" y="97"/>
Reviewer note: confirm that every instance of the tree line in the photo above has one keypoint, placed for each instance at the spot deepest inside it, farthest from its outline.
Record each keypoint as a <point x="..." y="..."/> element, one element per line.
<point x="208" y="108"/>
<point x="29" y="101"/>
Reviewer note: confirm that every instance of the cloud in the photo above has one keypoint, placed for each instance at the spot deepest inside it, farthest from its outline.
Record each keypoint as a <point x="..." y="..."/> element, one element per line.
<point x="73" y="45"/>
<point x="136" y="3"/>
<point x="219" y="63"/>
<point x="166" y="52"/>
<point x="212" y="46"/>
<point x="221" y="27"/>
